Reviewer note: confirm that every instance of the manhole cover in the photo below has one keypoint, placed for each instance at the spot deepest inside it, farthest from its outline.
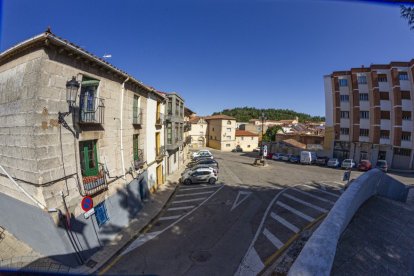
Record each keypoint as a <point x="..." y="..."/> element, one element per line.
<point x="201" y="256"/>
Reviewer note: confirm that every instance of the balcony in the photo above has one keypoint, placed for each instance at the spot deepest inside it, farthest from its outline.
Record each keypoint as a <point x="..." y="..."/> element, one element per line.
<point x="139" y="160"/>
<point x="137" y="117"/>
<point x="94" y="184"/>
<point x="92" y="111"/>
<point x="187" y="127"/>
<point x="159" y="121"/>
<point x="159" y="153"/>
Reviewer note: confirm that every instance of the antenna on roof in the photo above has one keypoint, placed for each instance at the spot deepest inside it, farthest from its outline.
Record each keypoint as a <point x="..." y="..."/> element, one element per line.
<point x="48" y="30"/>
<point x="107" y="56"/>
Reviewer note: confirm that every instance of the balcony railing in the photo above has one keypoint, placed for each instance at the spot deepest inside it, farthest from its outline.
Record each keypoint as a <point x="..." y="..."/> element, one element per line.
<point x="92" y="111"/>
<point x="159" y="153"/>
<point x="94" y="184"/>
<point x="139" y="161"/>
<point x="137" y="117"/>
<point x="159" y="119"/>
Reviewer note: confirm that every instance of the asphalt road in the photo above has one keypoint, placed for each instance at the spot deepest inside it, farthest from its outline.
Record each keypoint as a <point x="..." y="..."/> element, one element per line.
<point x="235" y="226"/>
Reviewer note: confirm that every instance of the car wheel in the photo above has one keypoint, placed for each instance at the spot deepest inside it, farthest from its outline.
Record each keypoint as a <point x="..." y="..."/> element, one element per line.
<point x="187" y="182"/>
<point x="212" y="181"/>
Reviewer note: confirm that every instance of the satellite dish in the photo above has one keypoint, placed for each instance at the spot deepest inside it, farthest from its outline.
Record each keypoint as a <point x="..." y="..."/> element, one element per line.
<point x="107" y="56"/>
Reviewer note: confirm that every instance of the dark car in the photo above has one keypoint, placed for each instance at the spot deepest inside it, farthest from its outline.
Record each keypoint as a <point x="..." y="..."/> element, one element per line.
<point x="321" y="161"/>
<point x="211" y="162"/>
<point x="237" y="149"/>
<point x="364" y="165"/>
<point x="382" y="165"/>
<point x="294" y="159"/>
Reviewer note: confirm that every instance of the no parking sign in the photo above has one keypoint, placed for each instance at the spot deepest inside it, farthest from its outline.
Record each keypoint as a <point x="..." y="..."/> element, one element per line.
<point x="87" y="203"/>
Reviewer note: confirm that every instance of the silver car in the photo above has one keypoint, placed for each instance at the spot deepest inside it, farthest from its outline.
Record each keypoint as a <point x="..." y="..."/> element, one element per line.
<point x="200" y="175"/>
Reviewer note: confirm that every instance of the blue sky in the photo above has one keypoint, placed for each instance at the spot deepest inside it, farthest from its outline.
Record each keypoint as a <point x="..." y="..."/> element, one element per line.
<point x="224" y="53"/>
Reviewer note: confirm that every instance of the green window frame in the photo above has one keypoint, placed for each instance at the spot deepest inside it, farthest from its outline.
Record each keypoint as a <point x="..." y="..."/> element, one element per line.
<point x="89" y="158"/>
<point x="135" y="144"/>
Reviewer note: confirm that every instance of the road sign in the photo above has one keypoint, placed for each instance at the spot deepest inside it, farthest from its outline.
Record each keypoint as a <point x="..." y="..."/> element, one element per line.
<point x="87" y="203"/>
<point x="89" y="213"/>
<point x="265" y="150"/>
<point x="347" y="175"/>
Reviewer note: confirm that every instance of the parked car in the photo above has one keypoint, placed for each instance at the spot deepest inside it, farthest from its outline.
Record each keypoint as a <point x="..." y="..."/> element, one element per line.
<point x="269" y="156"/>
<point x="307" y="157"/>
<point x="200" y="175"/>
<point x="256" y="149"/>
<point x="321" y="161"/>
<point x="211" y="162"/>
<point x="277" y="156"/>
<point x="294" y="159"/>
<point x="364" y="165"/>
<point x="382" y="165"/>
<point x="201" y="166"/>
<point x="201" y="152"/>
<point x="333" y="163"/>
<point x="237" y="149"/>
<point x="286" y="157"/>
<point x="348" y="163"/>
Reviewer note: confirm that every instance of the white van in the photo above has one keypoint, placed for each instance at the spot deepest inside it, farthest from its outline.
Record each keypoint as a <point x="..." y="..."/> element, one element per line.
<point x="307" y="157"/>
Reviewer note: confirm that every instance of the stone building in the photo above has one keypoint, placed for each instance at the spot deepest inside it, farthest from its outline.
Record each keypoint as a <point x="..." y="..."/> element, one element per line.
<point x="246" y="140"/>
<point x="110" y="147"/>
<point x="221" y="132"/>
<point x="198" y="132"/>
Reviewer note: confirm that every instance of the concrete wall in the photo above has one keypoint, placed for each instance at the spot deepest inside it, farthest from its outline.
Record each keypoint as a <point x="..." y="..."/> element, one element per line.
<point x="317" y="257"/>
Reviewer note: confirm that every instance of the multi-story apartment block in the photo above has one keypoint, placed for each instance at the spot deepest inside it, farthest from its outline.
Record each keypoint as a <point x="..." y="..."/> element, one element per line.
<point x="369" y="113"/>
<point x="73" y="125"/>
<point x="221" y="132"/>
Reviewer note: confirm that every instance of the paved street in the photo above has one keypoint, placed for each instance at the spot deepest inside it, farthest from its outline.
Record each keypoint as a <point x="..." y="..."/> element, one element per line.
<point x="235" y="226"/>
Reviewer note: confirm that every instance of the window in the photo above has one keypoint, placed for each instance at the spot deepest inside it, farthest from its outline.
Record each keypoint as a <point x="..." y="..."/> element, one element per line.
<point x="362" y="79"/>
<point x="213" y="128"/>
<point x="406" y="136"/>
<point x="169" y="133"/>
<point x="252" y="138"/>
<point x="403" y="76"/>
<point x="227" y="145"/>
<point x="364" y="114"/>
<point x="344" y="98"/>
<point x="345" y="114"/>
<point x="88" y="158"/>
<point x="385" y="96"/>
<point x="228" y="137"/>
<point x="385" y="134"/>
<point x="211" y="137"/>
<point x="364" y="132"/>
<point x="229" y="122"/>
<point x="248" y="146"/>
<point x="135" y="113"/>
<point x="101" y="214"/>
<point x="242" y="138"/>
<point x="382" y="77"/>
<point x="229" y="129"/>
<point x="87" y="99"/>
<point x="169" y="107"/>
<point x="177" y="107"/>
<point x="385" y="115"/>
<point x="363" y="96"/>
<point x="406" y="115"/>
<point x="344" y="131"/>
<point x="135" y="143"/>
<point x="343" y="82"/>
<point x="401" y="151"/>
<point x="405" y="95"/>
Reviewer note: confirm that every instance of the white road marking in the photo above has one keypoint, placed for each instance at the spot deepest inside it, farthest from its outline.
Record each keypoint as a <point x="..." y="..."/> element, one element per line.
<point x="140" y="241"/>
<point x="272" y="238"/>
<point x="237" y="202"/>
<point x="180" y="208"/>
<point x="251" y="265"/>
<point x="188" y="200"/>
<point x="169" y="218"/>
<point x="285" y="222"/>
<point x="305" y="203"/>
<point x="296" y="212"/>
<point x="200" y="193"/>
<point x="197" y="188"/>
<point x="314" y="196"/>
<point x="322" y="191"/>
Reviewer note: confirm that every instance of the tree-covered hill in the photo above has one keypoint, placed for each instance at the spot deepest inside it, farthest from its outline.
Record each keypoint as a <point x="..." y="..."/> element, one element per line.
<point x="244" y="114"/>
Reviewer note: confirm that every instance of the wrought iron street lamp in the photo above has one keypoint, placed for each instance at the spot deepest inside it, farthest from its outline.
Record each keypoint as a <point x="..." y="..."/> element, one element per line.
<point x="263" y="119"/>
<point x="72" y="87"/>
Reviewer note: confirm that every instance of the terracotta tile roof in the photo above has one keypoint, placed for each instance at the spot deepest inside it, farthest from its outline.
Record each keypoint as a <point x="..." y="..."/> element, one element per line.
<point x="294" y="143"/>
<point x="195" y="119"/>
<point x="245" y="133"/>
<point x="219" y="117"/>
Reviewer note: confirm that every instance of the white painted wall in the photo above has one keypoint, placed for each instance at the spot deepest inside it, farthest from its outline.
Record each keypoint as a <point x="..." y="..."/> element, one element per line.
<point x="407" y="105"/>
<point x="150" y="128"/>
<point x="344" y="122"/>
<point x="364" y="123"/>
<point x="405" y="84"/>
<point x="385" y="105"/>
<point x="328" y="101"/>
<point x="407" y="125"/>
<point x="364" y="105"/>
<point x="386" y="124"/>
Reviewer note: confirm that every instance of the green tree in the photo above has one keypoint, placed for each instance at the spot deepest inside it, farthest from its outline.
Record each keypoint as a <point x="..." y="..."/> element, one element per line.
<point x="408" y="13"/>
<point x="271" y="132"/>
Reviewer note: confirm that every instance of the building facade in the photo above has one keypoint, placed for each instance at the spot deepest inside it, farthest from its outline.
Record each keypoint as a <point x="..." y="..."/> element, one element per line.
<point x="221" y="132"/>
<point x="369" y="113"/>
<point x="198" y="132"/>
<point x="109" y="147"/>
<point x="246" y="140"/>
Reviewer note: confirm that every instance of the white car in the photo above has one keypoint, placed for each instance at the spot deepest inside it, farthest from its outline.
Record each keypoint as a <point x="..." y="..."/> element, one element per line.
<point x="348" y="163"/>
<point x="202" y="153"/>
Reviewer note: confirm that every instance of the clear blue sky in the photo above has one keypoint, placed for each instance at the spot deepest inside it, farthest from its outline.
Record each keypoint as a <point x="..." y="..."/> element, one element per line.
<point x="224" y="53"/>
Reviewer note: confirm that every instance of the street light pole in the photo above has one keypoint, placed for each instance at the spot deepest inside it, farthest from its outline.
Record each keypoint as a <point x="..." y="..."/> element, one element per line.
<point x="263" y="118"/>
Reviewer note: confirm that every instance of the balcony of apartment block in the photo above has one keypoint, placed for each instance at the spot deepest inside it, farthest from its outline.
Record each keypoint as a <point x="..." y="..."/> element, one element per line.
<point x="139" y="160"/>
<point x="174" y="116"/>
<point x="93" y="184"/>
<point x="92" y="112"/>
<point x="159" y="119"/>
<point x="173" y="143"/>
<point x="159" y="153"/>
<point x="137" y="118"/>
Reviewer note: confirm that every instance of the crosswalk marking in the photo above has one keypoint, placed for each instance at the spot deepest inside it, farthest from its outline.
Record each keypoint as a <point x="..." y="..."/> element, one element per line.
<point x="322" y="191"/>
<point x="296" y="212"/>
<point x="180" y="208"/>
<point x="272" y="238"/>
<point x="188" y="200"/>
<point x="200" y="193"/>
<point x="198" y="188"/>
<point x="169" y="218"/>
<point x="305" y="203"/>
<point x="314" y="196"/>
<point x="285" y="222"/>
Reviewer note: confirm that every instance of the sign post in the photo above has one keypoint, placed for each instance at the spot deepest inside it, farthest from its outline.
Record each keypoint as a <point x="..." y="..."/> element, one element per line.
<point x="265" y="150"/>
<point x="347" y="176"/>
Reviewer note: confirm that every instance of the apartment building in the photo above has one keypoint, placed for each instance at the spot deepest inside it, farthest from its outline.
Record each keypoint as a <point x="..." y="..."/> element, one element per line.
<point x="369" y="113"/>
<point x="73" y="125"/>
<point x="221" y="132"/>
<point x="198" y="132"/>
